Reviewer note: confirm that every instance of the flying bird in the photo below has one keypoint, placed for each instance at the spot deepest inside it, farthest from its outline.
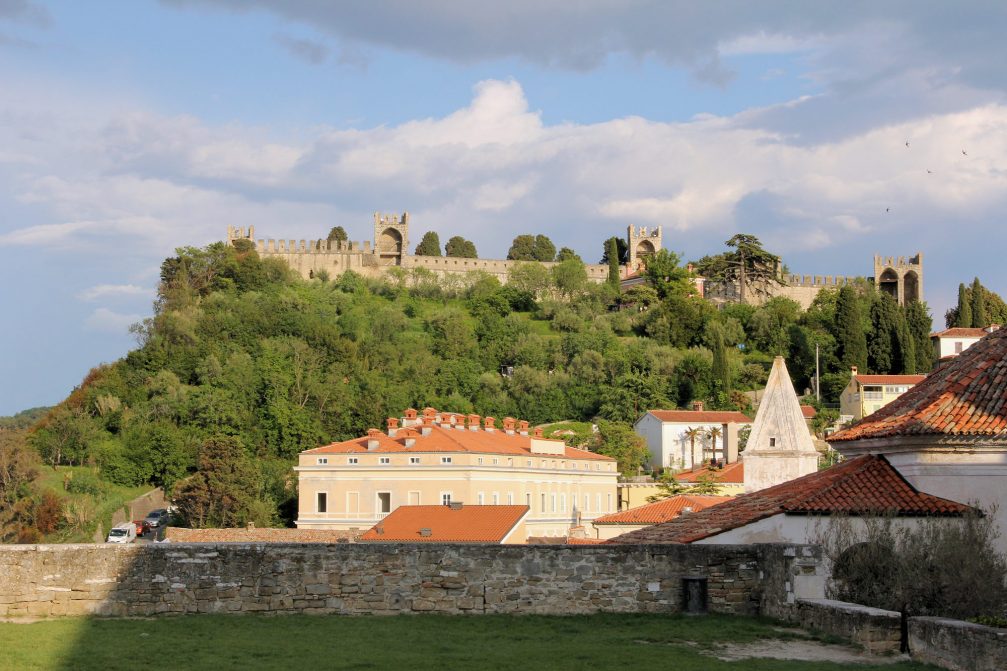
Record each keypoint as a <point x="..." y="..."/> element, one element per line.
<point x="929" y="171"/>
<point x="907" y="143"/>
<point x="888" y="209"/>
<point x="964" y="153"/>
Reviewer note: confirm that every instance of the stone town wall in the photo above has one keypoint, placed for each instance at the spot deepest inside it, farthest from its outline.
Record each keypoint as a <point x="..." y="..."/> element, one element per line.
<point x="356" y="579"/>
<point x="957" y="645"/>
<point x="876" y="630"/>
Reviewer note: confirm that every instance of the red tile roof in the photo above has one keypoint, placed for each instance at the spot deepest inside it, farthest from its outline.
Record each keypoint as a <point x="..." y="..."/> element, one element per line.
<point x="466" y="524"/>
<point x="662" y="511"/>
<point x="257" y="535"/>
<point x="701" y="416"/>
<point x="452" y="440"/>
<point x="959" y="332"/>
<point x="890" y="379"/>
<point x="808" y="411"/>
<point x="865" y="485"/>
<point x="731" y="474"/>
<point x="966" y="396"/>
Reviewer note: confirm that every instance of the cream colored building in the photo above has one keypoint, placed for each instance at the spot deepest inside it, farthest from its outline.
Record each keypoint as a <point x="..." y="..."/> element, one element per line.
<point x="866" y="394"/>
<point x="444" y="457"/>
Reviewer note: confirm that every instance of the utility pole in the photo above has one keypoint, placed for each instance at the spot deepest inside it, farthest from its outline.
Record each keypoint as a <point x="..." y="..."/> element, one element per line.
<point x="818" y="378"/>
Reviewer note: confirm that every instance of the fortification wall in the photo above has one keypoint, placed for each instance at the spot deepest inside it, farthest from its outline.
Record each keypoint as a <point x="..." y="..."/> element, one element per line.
<point x="500" y="268"/>
<point x="355" y="579"/>
<point x="800" y="288"/>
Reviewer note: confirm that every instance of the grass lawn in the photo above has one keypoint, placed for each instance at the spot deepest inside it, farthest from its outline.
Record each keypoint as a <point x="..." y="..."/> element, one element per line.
<point x="607" y="641"/>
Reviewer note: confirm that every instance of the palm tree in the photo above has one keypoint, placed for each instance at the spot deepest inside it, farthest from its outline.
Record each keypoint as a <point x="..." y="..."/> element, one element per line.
<point x="692" y="434"/>
<point x="714" y="433"/>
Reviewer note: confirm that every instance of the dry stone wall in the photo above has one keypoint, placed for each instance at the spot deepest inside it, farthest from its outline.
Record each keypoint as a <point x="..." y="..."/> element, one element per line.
<point x="352" y="579"/>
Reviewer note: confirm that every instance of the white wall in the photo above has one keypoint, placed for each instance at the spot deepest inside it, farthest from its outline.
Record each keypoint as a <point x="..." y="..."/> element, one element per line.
<point x="783" y="528"/>
<point x="946" y="346"/>
<point x="649" y="427"/>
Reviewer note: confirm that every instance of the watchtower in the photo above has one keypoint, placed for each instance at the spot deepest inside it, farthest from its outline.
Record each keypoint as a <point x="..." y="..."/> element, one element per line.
<point x="391" y="238"/>
<point x="643" y="242"/>
<point x="899" y="278"/>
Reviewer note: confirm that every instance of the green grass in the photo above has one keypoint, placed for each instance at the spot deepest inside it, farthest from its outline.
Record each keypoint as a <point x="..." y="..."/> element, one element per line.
<point x="111" y="498"/>
<point x="608" y="641"/>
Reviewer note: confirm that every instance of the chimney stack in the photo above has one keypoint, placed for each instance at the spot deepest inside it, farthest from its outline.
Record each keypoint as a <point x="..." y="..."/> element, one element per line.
<point x="473" y="422"/>
<point x="426" y="532"/>
<point x="393" y="427"/>
<point x="537" y="432"/>
<point x="697" y="406"/>
<point x="427" y="426"/>
<point x="372" y="439"/>
<point x="853" y="371"/>
<point x="508" y="425"/>
<point x="488" y="423"/>
<point x="409" y="417"/>
<point x="522" y="427"/>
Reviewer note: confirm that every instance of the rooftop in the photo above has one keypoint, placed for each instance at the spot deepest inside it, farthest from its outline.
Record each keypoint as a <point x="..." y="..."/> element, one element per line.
<point x="808" y="411"/>
<point x="960" y="332"/>
<point x="890" y="379"/>
<point x="864" y="485"/>
<point x="964" y="397"/>
<point x="701" y="416"/>
<point x="730" y="474"/>
<point x="446" y="524"/>
<point x="662" y="511"/>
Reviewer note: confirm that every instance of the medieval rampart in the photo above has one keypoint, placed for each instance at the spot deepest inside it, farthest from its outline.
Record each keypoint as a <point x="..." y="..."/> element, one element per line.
<point x="357" y="579"/>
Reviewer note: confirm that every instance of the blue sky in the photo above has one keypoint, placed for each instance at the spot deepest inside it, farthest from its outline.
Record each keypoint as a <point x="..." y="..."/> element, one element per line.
<point x="130" y="128"/>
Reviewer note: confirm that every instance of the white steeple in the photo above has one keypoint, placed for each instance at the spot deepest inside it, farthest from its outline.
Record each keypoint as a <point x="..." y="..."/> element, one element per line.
<point x="780" y="446"/>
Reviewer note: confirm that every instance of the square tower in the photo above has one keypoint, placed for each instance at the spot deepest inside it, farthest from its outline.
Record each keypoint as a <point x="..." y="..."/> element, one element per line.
<point x="391" y="238"/>
<point x="643" y="242"/>
<point x="899" y="278"/>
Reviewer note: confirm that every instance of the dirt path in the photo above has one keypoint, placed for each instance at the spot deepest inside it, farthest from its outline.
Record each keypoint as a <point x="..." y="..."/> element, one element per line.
<point x="805" y="651"/>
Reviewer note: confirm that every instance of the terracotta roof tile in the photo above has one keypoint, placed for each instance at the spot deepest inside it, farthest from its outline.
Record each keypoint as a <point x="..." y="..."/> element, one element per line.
<point x="808" y="411"/>
<point x="865" y="485"/>
<point x="731" y="474"/>
<point x="890" y="379"/>
<point x="257" y="535"/>
<point x="453" y="440"/>
<point x="662" y="511"/>
<point x="965" y="396"/>
<point x="701" y="416"/>
<point x="959" y="332"/>
<point x="466" y="524"/>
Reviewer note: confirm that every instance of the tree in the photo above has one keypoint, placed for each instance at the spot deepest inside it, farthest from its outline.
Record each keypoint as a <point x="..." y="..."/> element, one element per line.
<point x="666" y="276"/>
<point x="570" y="276"/>
<point x="543" y="248"/>
<point x="337" y="234"/>
<point x="721" y="369"/>
<point x="920" y="324"/>
<point x="714" y="432"/>
<point x="532" y="278"/>
<point x="706" y="485"/>
<point x="964" y="308"/>
<point x="621" y="251"/>
<point x="619" y="441"/>
<point x="460" y="248"/>
<point x="522" y="248"/>
<point x="566" y="253"/>
<point x="430" y="245"/>
<point x="851" y="341"/>
<point x="881" y="345"/>
<point x="979" y="318"/>
<point x="692" y="433"/>
<point x="223" y="491"/>
<point x="749" y="266"/>
<point x="612" y="258"/>
<point x="667" y="486"/>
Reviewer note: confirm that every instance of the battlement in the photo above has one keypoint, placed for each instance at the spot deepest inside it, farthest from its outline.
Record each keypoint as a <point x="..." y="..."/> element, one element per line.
<point x="898" y="262"/>
<point x="818" y="281"/>
<point x="238" y="233"/>
<point x="393" y="220"/>
<point x="312" y="247"/>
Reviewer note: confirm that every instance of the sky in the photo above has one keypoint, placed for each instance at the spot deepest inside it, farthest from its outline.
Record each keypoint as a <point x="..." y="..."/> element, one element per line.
<point x="832" y="131"/>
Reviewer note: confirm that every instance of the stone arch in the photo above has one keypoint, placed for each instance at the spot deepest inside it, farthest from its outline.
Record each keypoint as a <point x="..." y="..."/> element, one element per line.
<point x="645" y="248"/>
<point x="888" y="283"/>
<point x="390" y="241"/>
<point x="911" y="287"/>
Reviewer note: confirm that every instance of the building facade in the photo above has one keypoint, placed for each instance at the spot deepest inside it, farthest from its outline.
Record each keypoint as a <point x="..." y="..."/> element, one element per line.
<point x="866" y="394"/>
<point x="439" y="458"/>
<point x="681" y="439"/>
<point x="951" y="342"/>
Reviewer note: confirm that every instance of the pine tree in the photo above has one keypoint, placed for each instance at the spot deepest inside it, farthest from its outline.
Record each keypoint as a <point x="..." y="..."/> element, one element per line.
<point x="612" y="252"/>
<point x="851" y="341"/>
<point x="964" y="308"/>
<point x="430" y="245"/>
<point x="979" y="317"/>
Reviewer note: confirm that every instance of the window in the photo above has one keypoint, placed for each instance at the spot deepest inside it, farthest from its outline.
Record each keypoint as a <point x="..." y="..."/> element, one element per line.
<point x="527" y="499"/>
<point x="496" y="498"/>
<point x="495" y="461"/>
<point x="352" y="460"/>
<point x="543" y="501"/>
<point x="481" y="498"/>
<point x="384" y="502"/>
<point x="958" y="347"/>
<point x="510" y="462"/>
<point x="510" y="498"/>
<point x="414" y="460"/>
<point x="772" y="442"/>
<point x="323" y="460"/>
<point x="529" y="463"/>
<point x="445" y="498"/>
<point x="553" y="500"/>
<point x="479" y="461"/>
<point x="445" y="460"/>
<point x="385" y="460"/>
<point x="322" y="503"/>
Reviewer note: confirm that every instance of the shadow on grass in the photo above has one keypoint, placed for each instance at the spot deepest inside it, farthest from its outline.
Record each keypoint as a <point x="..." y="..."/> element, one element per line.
<point x="222" y="642"/>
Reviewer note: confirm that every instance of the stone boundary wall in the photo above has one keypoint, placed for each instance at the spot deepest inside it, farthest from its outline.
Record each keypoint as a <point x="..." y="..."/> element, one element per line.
<point x="877" y="631"/>
<point x="357" y="579"/>
<point x="957" y="645"/>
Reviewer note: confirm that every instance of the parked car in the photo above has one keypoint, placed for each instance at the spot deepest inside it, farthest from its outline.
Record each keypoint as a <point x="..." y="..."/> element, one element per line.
<point x="156" y="518"/>
<point x="122" y="533"/>
<point x="142" y="527"/>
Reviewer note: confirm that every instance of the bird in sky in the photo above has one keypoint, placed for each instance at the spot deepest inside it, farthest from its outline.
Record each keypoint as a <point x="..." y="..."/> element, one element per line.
<point x="907" y="143"/>
<point x="964" y="153"/>
<point x="888" y="209"/>
<point x="929" y="171"/>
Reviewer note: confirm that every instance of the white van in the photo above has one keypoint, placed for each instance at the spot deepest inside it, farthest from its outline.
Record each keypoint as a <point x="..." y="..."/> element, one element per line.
<point x="122" y="533"/>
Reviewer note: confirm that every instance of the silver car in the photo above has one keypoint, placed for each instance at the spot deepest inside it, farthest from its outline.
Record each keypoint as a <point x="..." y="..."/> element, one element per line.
<point x="156" y="518"/>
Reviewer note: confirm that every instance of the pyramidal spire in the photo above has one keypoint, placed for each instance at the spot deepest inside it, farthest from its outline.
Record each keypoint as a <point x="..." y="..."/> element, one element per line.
<point x="779" y="447"/>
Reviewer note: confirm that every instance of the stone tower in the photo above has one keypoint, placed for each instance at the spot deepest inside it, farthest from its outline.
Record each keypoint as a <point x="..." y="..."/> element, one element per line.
<point x="391" y="238"/>
<point x="780" y="447"/>
<point x="898" y="278"/>
<point x="643" y="242"/>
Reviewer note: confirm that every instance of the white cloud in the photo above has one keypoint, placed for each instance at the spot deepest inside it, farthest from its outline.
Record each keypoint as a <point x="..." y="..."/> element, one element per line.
<point x="104" y="320"/>
<point x="110" y="290"/>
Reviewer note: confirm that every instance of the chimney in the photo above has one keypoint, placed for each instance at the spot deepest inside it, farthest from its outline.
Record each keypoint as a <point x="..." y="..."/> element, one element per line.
<point x="409" y="417"/>
<point x="426" y="532"/>
<point x="697" y="406"/>
<point x="427" y="426"/>
<point x="455" y="505"/>
<point x="251" y="525"/>
<point x="522" y="427"/>
<point x="372" y="439"/>
<point x="473" y="422"/>
<point x="508" y="426"/>
<point x="537" y="432"/>
<point x="380" y="530"/>
<point x="429" y="412"/>
<point x="488" y="423"/>
<point x="393" y="427"/>
<point x="408" y="437"/>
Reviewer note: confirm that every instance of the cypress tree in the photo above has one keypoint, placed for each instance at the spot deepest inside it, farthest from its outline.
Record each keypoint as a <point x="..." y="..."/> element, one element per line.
<point x="979" y="317"/>
<point x="964" y="308"/>
<point x="884" y="354"/>
<point x="430" y="245"/>
<point x="920" y="324"/>
<point x="905" y="345"/>
<point x="721" y="370"/>
<point x="851" y="342"/>
<point x="612" y="252"/>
